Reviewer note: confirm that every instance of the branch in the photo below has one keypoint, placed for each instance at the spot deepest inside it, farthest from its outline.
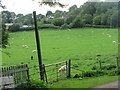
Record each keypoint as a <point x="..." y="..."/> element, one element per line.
<point x="51" y="3"/>
<point x="2" y="6"/>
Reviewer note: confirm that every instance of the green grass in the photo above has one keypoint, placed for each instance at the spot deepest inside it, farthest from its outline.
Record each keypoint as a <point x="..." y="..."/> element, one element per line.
<point x="85" y="82"/>
<point x="79" y="45"/>
<point x="61" y="45"/>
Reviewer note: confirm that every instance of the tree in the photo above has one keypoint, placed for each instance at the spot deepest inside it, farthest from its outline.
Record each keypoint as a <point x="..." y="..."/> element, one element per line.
<point x="87" y="18"/>
<point x="77" y="23"/>
<point x="51" y="3"/>
<point x="72" y="8"/>
<point x="97" y="20"/>
<point x="48" y="13"/>
<point x="114" y="19"/>
<point x="14" y="28"/>
<point x="70" y="19"/>
<point x="5" y="36"/>
<point x="6" y="17"/>
<point x="58" y="21"/>
<point x="19" y="15"/>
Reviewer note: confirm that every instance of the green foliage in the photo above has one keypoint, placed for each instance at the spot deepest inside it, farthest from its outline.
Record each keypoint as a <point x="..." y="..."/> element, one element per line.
<point x="14" y="28"/>
<point x="5" y="36"/>
<point x="26" y="28"/>
<point x="58" y="21"/>
<point x="70" y="19"/>
<point x="48" y="26"/>
<point x="65" y="26"/>
<point x="72" y="8"/>
<point x="48" y="13"/>
<point x="77" y="23"/>
<point x="32" y="85"/>
<point x="92" y="73"/>
<point x="97" y="20"/>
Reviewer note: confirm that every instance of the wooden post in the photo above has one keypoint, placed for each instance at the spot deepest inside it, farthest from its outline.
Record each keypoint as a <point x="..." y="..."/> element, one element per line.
<point x="69" y="70"/>
<point x="38" y="45"/>
<point x="45" y="73"/>
<point x="57" y="71"/>
<point x="28" y="77"/>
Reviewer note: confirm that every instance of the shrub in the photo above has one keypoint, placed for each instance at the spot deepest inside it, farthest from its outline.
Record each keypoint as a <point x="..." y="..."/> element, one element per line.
<point x="4" y="39"/>
<point x="64" y="26"/>
<point x="32" y="85"/>
<point x="108" y="67"/>
<point x="26" y="28"/>
<point x="93" y="73"/>
<point x="48" y="26"/>
<point x="14" y="28"/>
<point x="77" y="23"/>
<point x="58" y="21"/>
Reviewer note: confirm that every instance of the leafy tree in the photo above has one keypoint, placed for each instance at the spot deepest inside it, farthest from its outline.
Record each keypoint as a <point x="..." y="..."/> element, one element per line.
<point x="77" y="23"/>
<point x="58" y="21"/>
<point x="57" y="14"/>
<point x="87" y="18"/>
<point x="5" y="36"/>
<point x="48" y="13"/>
<point x="19" y="15"/>
<point x="14" y="28"/>
<point x="97" y="20"/>
<point x="72" y="8"/>
<point x="70" y="19"/>
<point x="6" y="17"/>
<point x="114" y="19"/>
<point x="104" y="19"/>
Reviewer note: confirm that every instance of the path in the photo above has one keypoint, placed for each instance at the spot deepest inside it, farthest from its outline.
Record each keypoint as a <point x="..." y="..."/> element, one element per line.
<point x="115" y="84"/>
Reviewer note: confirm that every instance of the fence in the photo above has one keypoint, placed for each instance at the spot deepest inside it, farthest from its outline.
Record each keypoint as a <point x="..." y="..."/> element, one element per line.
<point x="13" y="76"/>
<point x="50" y="72"/>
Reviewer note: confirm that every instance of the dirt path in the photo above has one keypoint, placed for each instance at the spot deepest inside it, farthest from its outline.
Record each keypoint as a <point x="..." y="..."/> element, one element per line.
<point x="115" y="84"/>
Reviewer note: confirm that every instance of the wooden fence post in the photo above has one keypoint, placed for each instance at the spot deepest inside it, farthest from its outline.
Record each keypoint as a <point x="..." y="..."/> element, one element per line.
<point x="69" y="70"/>
<point x="27" y="73"/>
<point x="45" y="73"/>
<point x="38" y="46"/>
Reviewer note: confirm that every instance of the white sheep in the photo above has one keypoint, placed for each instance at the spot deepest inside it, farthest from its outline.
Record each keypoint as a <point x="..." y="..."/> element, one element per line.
<point x="114" y="42"/>
<point x="63" y="68"/>
<point x="34" y="51"/>
<point x="25" y="46"/>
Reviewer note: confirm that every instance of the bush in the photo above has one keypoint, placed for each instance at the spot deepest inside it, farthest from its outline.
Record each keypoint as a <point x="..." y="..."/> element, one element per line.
<point x="32" y="85"/>
<point x="64" y="26"/>
<point x="93" y="73"/>
<point x="58" y="21"/>
<point x="14" y="28"/>
<point x="26" y="28"/>
<point x="77" y="23"/>
<point x="48" y="26"/>
<point x="4" y="39"/>
<point x="108" y="67"/>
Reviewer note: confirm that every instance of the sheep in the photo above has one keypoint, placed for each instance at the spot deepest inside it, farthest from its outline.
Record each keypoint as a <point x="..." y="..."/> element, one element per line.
<point x="63" y="68"/>
<point x="25" y="46"/>
<point x="114" y="42"/>
<point x="34" y="51"/>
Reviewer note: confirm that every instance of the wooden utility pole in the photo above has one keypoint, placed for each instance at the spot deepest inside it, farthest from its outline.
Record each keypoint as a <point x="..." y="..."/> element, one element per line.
<point x="38" y="46"/>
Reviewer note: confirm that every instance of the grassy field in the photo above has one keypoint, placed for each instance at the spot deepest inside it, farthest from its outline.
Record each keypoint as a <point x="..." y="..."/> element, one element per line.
<point x="60" y="45"/>
<point x="80" y="45"/>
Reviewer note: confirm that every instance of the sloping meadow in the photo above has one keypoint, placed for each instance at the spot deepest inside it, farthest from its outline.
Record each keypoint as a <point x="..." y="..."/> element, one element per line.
<point x="85" y="47"/>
